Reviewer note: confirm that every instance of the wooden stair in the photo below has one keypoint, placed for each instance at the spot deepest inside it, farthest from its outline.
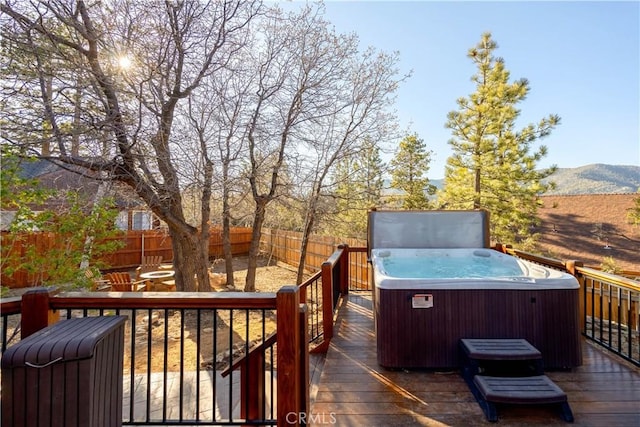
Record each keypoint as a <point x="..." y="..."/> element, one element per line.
<point x="509" y="371"/>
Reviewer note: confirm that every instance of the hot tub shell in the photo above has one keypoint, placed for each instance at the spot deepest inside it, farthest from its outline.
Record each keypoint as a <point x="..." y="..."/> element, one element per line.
<point x="419" y="321"/>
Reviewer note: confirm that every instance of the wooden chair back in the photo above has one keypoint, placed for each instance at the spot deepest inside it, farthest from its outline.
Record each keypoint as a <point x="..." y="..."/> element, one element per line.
<point x="98" y="283"/>
<point x="149" y="263"/>
<point x="120" y="281"/>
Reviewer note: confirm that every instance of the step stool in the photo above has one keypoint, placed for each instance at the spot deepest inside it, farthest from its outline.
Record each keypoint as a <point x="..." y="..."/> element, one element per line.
<point x="500" y="358"/>
<point x="508" y="371"/>
<point x="536" y="390"/>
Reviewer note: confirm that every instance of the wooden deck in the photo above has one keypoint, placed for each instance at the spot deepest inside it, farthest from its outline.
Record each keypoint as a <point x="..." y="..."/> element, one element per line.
<point x="353" y="390"/>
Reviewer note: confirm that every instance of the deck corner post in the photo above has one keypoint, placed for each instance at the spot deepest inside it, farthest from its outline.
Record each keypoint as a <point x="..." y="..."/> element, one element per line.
<point x="36" y="312"/>
<point x="327" y="301"/>
<point x="572" y="268"/>
<point x="344" y="269"/>
<point x="288" y="356"/>
<point x="304" y="359"/>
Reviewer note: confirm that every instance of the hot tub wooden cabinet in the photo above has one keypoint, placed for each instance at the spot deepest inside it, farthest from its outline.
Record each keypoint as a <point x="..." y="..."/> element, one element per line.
<point x="428" y="337"/>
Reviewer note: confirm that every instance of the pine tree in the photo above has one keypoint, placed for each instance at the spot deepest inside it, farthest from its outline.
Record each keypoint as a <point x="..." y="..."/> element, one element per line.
<point x="408" y="170"/>
<point x="369" y="170"/>
<point x="633" y="213"/>
<point x="493" y="165"/>
<point x="359" y="188"/>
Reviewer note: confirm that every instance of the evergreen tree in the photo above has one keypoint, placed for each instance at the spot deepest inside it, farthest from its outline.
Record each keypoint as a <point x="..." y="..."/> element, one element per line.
<point x="359" y="188"/>
<point x="493" y="165"/>
<point x="369" y="170"/>
<point x="408" y="170"/>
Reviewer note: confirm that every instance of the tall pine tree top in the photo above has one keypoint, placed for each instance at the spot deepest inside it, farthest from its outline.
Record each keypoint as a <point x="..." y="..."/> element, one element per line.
<point x="494" y="165"/>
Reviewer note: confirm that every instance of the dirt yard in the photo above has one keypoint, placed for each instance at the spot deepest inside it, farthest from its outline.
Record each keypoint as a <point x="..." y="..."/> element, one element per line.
<point x="227" y="328"/>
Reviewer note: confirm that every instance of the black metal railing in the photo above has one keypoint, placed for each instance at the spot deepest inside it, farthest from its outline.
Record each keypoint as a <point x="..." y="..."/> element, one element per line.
<point x="359" y="270"/>
<point x="609" y="305"/>
<point x="177" y="347"/>
<point x="610" y="314"/>
<point x="174" y="358"/>
<point x="10" y="318"/>
<point x="311" y="294"/>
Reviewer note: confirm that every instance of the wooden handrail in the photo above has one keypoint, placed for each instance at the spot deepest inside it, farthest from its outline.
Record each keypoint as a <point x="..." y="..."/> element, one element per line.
<point x="161" y="300"/>
<point x="10" y="306"/>
<point x="261" y="348"/>
<point x="614" y="279"/>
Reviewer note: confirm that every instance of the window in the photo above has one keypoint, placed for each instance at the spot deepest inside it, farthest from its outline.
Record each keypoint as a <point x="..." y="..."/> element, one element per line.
<point x="141" y="220"/>
<point x="122" y="222"/>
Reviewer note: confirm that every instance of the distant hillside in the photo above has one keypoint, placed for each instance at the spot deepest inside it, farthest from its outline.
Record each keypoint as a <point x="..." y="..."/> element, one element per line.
<point x="596" y="179"/>
<point x="590" y="179"/>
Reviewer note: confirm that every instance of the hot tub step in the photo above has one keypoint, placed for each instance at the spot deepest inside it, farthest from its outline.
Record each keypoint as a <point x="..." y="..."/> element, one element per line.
<point x="535" y="390"/>
<point x="500" y="357"/>
<point x="500" y="349"/>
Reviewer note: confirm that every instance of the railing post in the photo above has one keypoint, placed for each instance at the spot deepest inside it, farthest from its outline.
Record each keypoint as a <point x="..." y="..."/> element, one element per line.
<point x="327" y="301"/>
<point x="344" y="269"/>
<point x="252" y="398"/>
<point x="571" y="267"/>
<point x="288" y="359"/>
<point x="35" y="310"/>
<point x="305" y="404"/>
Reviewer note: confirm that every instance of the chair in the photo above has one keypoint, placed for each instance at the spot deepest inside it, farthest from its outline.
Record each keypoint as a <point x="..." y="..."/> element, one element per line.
<point x="149" y="263"/>
<point x="121" y="282"/>
<point x="97" y="283"/>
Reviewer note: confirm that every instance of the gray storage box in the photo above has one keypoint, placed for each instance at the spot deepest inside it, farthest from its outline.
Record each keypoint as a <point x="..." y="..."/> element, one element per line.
<point x="68" y="374"/>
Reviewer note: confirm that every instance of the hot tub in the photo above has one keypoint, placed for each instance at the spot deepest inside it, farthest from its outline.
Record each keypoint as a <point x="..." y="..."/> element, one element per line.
<point x="427" y="299"/>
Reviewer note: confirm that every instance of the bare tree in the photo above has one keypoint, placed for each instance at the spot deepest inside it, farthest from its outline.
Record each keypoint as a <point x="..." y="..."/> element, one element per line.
<point x="359" y="111"/>
<point x="124" y="128"/>
<point x="217" y="115"/>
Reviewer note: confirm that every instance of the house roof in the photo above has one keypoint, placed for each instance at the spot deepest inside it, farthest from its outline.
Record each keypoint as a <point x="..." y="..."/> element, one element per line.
<point x="75" y="178"/>
<point x="590" y="228"/>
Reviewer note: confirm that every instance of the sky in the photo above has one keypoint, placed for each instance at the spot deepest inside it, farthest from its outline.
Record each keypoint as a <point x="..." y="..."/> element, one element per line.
<point x="581" y="60"/>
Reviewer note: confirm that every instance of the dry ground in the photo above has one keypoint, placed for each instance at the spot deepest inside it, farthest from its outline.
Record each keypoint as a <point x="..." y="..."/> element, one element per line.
<point x="226" y="327"/>
<point x="229" y="332"/>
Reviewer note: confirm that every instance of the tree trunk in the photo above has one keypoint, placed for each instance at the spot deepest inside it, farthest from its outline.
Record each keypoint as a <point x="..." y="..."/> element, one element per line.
<point x="190" y="261"/>
<point x="254" y="247"/>
<point x="477" y="203"/>
<point x="226" y="242"/>
<point x="308" y="227"/>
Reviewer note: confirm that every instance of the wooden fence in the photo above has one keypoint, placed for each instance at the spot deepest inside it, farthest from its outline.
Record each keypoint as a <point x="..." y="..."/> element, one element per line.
<point x="280" y="245"/>
<point x="137" y="245"/>
<point x="285" y="246"/>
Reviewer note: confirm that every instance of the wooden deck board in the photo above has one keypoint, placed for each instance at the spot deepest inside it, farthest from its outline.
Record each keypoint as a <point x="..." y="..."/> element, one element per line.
<point x="354" y="390"/>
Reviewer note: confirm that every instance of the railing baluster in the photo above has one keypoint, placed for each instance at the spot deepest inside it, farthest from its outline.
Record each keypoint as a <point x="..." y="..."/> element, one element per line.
<point x="149" y="345"/>
<point x="165" y="362"/>
<point x="214" y="384"/>
<point x="230" y="416"/>
<point x="132" y="369"/>
<point x="182" y="329"/>
<point x="619" y="349"/>
<point x="610" y="315"/>
<point x="198" y="364"/>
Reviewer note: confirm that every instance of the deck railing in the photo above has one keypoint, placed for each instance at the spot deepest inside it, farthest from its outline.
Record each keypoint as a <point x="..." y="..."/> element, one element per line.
<point x="205" y="358"/>
<point x="610" y="314"/>
<point x="177" y="346"/>
<point x="609" y="305"/>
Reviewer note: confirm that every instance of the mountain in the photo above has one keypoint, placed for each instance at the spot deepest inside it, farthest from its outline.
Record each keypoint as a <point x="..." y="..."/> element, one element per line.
<point x="596" y="179"/>
<point x="591" y="179"/>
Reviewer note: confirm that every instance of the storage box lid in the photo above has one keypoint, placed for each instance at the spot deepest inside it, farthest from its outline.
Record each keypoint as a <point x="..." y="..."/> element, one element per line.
<point x="67" y="340"/>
